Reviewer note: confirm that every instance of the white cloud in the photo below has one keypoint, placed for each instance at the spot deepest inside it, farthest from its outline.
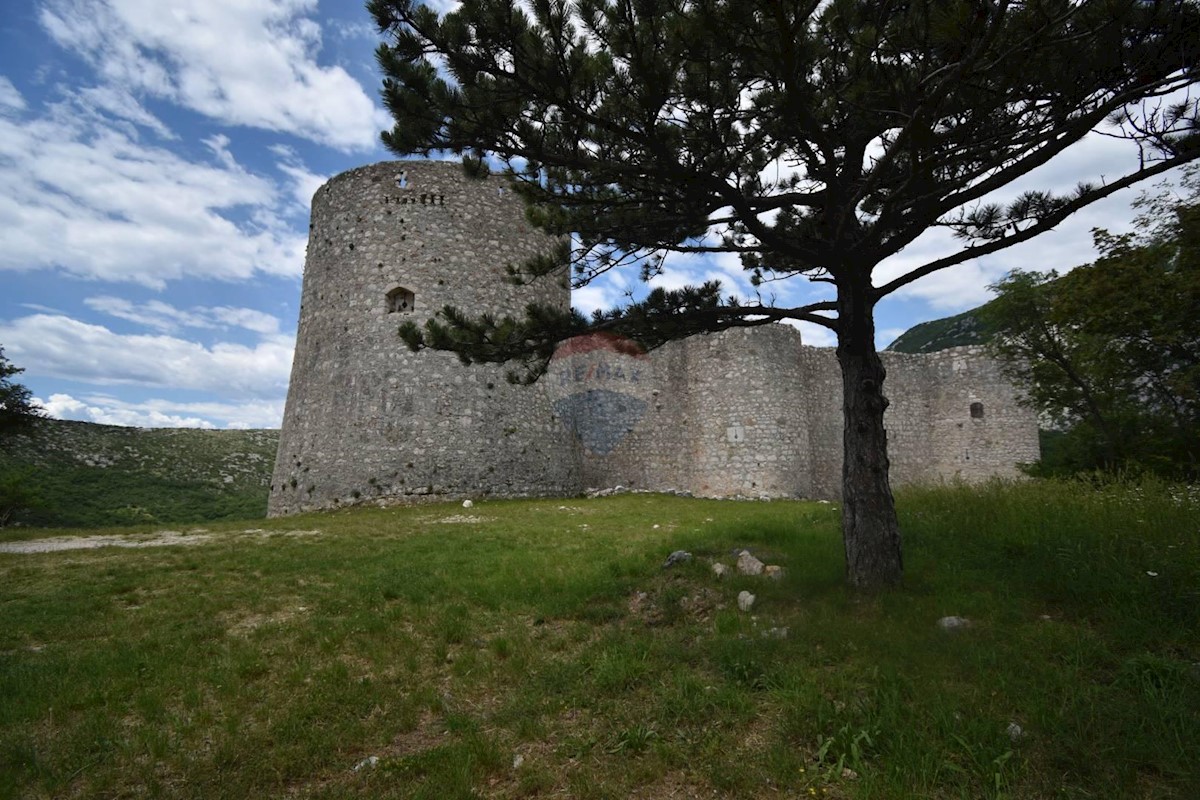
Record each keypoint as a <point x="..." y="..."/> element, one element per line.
<point x="166" y="317"/>
<point x="885" y="336"/>
<point x="97" y="204"/>
<point x="964" y="286"/>
<point x="304" y="183"/>
<point x="248" y="318"/>
<point x="157" y="413"/>
<point x="241" y="62"/>
<point x="122" y="105"/>
<point x="690" y="269"/>
<point x="9" y="96"/>
<point x="61" y="347"/>
<point x="593" y="297"/>
<point x="814" y="335"/>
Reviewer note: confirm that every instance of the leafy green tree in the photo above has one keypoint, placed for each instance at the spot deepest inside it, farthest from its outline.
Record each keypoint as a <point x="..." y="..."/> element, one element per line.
<point x="17" y="409"/>
<point x="17" y="412"/>
<point x="1110" y="352"/>
<point x="812" y="139"/>
<point x="17" y="492"/>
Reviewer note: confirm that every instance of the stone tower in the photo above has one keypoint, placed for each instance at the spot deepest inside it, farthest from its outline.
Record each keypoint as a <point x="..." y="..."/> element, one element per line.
<point x="365" y="417"/>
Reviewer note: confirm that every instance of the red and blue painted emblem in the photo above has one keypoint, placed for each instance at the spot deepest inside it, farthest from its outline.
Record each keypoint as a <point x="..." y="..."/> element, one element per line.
<point x="599" y="383"/>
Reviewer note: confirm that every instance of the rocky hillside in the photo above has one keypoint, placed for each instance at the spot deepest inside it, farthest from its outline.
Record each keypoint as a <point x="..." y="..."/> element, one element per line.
<point x="90" y="475"/>
<point x="940" y="334"/>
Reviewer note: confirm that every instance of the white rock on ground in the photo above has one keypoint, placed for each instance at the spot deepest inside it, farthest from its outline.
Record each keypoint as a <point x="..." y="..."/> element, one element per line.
<point x="953" y="623"/>
<point x="745" y="600"/>
<point x="773" y="571"/>
<point x="678" y="557"/>
<point x="467" y="504"/>
<point x="720" y="570"/>
<point x="747" y="564"/>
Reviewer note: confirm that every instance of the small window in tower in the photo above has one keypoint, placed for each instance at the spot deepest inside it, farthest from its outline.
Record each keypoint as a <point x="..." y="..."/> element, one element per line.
<point x="976" y="410"/>
<point x="402" y="180"/>
<point x="400" y="301"/>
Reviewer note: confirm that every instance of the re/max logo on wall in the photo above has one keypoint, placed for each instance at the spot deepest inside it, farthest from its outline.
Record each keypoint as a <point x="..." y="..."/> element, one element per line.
<point x="597" y="371"/>
<point x="596" y="389"/>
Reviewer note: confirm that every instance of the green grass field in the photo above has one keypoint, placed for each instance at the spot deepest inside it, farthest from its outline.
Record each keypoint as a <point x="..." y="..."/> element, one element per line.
<point x="538" y="649"/>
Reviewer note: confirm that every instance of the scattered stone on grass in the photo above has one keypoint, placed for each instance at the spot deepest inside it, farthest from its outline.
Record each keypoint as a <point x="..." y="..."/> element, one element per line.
<point x="462" y="519"/>
<point x="637" y="601"/>
<point x="775" y="633"/>
<point x="518" y="760"/>
<point x="369" y="761"/>
<point x="773" y="571"/>
<point x="720" y="570"/>
<point x="678" y="557"/>
<point x="467" y="504"/>
<point x="747" y="564"/>
<point x="700" y="604"/>
<point x="745" y="600"/>
<point x="1014" y="731"/>
<point x="953" y="623"/>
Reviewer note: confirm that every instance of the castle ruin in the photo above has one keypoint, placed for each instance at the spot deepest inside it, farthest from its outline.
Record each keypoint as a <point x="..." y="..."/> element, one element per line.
<point x="746" y="412"/>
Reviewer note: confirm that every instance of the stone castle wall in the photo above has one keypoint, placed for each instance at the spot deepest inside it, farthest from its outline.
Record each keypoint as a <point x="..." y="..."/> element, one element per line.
<point x="754" y="412"/>
<point x="367" y="418"/>
<point x="747" y="412"/>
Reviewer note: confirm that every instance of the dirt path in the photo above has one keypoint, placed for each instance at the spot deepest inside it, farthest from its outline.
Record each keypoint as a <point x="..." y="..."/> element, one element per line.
<point x="156" y="539"/>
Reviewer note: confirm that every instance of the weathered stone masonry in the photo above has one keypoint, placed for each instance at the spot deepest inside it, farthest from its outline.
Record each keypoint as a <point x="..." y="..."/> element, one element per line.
<point x="745" y="412"/>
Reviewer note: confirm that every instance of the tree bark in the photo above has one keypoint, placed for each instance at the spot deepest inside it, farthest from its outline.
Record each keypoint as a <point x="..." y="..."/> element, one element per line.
<point x="870" y="529"/>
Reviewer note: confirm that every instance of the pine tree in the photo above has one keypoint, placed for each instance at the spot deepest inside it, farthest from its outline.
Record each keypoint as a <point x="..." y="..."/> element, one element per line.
<point x="812" y="139"/>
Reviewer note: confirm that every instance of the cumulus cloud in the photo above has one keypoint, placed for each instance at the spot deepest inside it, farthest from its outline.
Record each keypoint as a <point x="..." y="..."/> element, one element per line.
<point x="62" y="347"/>
<point x="157" y="413"/>
<point x="94" y="202"/>
<point x="240" y="62"/>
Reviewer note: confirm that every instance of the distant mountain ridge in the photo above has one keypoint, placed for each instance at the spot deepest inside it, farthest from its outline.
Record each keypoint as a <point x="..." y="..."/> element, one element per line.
<point x="93" y="475"/>
<point x="940" y="334"/>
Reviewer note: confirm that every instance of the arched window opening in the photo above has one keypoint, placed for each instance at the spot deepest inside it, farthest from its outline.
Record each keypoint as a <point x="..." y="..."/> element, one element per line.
<point x="402" y="180"/>
<point x="400" y="301"/>
<point x="976" y="410"/>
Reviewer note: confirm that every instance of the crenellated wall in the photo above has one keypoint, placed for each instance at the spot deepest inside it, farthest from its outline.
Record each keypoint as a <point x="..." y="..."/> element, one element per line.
<point x="746" y="412"/>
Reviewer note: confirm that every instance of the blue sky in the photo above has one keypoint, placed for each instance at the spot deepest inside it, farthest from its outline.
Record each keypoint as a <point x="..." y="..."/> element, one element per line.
<point x="156" y="162"/>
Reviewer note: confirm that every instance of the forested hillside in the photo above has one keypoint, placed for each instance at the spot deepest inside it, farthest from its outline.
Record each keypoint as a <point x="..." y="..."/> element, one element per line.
<point x="91" y="475"/>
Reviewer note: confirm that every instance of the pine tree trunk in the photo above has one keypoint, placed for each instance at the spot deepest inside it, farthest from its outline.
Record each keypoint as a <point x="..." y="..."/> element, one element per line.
<point x="870" y="529"/>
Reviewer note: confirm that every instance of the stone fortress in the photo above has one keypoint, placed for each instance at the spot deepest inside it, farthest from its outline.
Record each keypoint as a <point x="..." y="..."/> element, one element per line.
<point x="747" y="412"/>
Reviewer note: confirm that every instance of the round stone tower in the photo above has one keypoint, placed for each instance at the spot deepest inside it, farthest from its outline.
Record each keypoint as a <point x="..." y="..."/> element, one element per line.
<point x="366" y="419"/>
